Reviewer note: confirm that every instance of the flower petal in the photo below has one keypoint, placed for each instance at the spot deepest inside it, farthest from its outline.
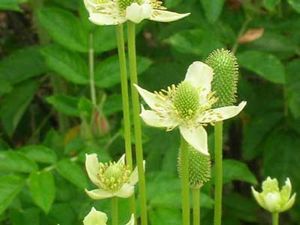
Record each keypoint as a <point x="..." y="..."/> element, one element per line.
<point x="98" y="194"/>
<point x="196" y="137"/>
<point x="125" y="192"/>
<point x="200" y="75"/>
<point x="92" y="167"/>
<point x="105" y="19"/>
<point x="136" y="13"/>
<point x="134" y="177"/>
<point x="151" y="99"/>
<point x="152" y="118"/>
<point x="166" y="16"/>
<point x="131" y="221"/>
<point x="289" y="204"/>
<point x="95" y="218"/>
<point x="122" y="160"/>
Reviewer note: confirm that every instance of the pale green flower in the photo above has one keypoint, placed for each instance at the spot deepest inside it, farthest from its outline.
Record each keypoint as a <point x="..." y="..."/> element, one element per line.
<point x="273" y="199"/>
<point x="100" y="218"/>
<point x="189" y="105"/>
<point x="112" y="12"/>
<point x="112" y="179"/>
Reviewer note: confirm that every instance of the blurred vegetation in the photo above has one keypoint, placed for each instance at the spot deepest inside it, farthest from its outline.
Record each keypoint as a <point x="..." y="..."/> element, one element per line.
<point x="48" y="122"/>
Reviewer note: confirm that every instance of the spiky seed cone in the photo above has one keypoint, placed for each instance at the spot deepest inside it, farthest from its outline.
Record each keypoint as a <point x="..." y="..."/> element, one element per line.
<point x="199" y="167"/>
<point x="224" y="84"/>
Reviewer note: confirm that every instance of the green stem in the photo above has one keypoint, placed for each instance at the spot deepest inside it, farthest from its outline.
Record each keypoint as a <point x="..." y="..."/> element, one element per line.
<point x="185" y="182"/>
<point x="196" y="206"/>
<point x="137" y="121"/>
<point x="241" y="32"/>
<point x="92" y="70"/>
<point x="114" y="211"/>
<point x="275" y="218"/>
<point x="125" y="102"/>
<point x="218" y="172"/>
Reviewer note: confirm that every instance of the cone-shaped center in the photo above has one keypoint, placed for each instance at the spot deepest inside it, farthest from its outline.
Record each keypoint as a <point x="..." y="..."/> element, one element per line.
<point x="115" y="170"/>
<point x="186" y="100"/>
<point x="123" y="4"/>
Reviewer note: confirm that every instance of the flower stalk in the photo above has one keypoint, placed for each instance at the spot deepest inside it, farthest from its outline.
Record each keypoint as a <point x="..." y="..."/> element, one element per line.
<point x="196" y="206"/>
<point x="92" y="70"/>
<point x="114" y="211"/>
<point x="137" y="121"/>
<point x="218" y="173"/>
<point x="275" y="218"/>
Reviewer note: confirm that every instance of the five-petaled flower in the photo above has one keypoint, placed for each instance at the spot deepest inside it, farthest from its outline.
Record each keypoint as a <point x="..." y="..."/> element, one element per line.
<point x="113" y="12"/>
<point x="188" y="105"/>
<point x="112" y="179"/>
<point x="273" y="199"/>
<point x="100" y="218"/>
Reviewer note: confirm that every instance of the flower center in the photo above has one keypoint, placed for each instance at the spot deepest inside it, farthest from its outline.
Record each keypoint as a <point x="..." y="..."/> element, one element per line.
<point x="186" y="100"/>
<point x="113" y="175"/>
<point x="123" y="4"/>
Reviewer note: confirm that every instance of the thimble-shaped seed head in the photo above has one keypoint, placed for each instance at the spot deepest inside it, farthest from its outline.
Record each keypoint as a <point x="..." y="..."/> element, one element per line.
<point x="224" y="83"/>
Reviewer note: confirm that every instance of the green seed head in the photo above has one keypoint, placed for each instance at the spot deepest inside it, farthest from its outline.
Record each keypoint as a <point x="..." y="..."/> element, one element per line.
<point x="186" y="100"/>
<point x="225" y="67"/>
<point x="123" y="4"/>
<point x="199" y="168"/>
<point x="113" y="175"/>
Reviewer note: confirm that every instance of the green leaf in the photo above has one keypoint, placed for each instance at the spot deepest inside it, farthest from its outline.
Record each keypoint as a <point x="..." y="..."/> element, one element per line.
<point x="112" y="104"/>
<point x="73" y="173"/>
<point x="65" y="28"/>
<point x="39" y="153"/>
<point x="25" y="216"/>
<point x="67" y="64"/>
<point x="64" y="104"/>
<point x="22" y="65"/>
<point x="235" y="170"/>
<point x="165" y="216"/>
<point x="271" y="4"/>
<point x="10" y="187"/>
<point x="295" y="4"/>
<point x="212" y="9"/>
<point x="15" y="104"/>
<point x="104" y="38"/>
<point x="9" y="5"/>
<point x="265" y="65"/>
<point x="293" y="87"/>
<point x="5" y="87"/>
<point x="107" y="73"/>
<point x="12" y="161"/>
<point x="42" y="188"/>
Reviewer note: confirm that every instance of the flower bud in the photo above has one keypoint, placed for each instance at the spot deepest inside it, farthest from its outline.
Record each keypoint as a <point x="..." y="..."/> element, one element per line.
<point x="272" y="199"/>
<point x="199" y="167"/>
<point x="224" y="84"/>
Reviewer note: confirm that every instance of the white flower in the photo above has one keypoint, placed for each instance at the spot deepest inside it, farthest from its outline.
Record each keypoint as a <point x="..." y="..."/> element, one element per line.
<point x="100" y="218"/>
<point x="112" y="12"/>
<point x="187" y="105"/>
<point x="112" y="179"/>
<point x="273" y="199"/>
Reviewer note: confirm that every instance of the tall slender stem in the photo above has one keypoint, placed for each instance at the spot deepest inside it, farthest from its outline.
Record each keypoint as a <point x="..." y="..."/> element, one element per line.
<point x="91" y="70"/>
<point x="185" y="182"/>
<point x="137" y="121"/>
<point x="218" y="172"/>
<point x="275" y="218"/>
<point x="125" y="102"/>
<point x="114" y="211"/>
<point x="196" y="206"/>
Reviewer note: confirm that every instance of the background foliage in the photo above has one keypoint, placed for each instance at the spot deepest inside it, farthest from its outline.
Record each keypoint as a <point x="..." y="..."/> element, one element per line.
<point x="48" y="123"/>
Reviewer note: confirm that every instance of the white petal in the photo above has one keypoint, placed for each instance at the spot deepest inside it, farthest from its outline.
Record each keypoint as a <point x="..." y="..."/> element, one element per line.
<point x="131" y="221"/>
<point x="95" y="218"/>
<point x="200" y="76"/>
<point x="122" y="160"/>
<point x="196" y="137"/>
<point x="105" y="19"/>
<point x="98" y="194"/>
<point x="134" y="177"/>
<point x="166" y="16"/>
<point x="136" y="13"/>
<point x="92" y="167"/>
<point x="125" y="192"/>
<point x="289" y="204"/>
<point x="152" y="118"/>
<point x="151" y="99"/>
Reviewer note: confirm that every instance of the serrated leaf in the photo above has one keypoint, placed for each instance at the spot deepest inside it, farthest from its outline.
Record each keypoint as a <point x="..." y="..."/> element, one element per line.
<point x="42" y="188"/>
<point x="69" y="65"/>
<point x="10" y="186"/>
<point x="12" y="161"/>
<point x="263" y="64"/>
<point x="9" y="5"/>
<point x="73" y="173"/>
<point x="64" y="104"/>
<point x="295" y="4"/>
<point x="22" y="65"/>
<point x="39" y="153"/>
<point x="235" y="170"/>
<point x="212" y="9"/>
<point x="15" y="104"/>
<point x="64" y="27"/>
<point x="107" y="72"/>
<point x="293" y="87"/>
